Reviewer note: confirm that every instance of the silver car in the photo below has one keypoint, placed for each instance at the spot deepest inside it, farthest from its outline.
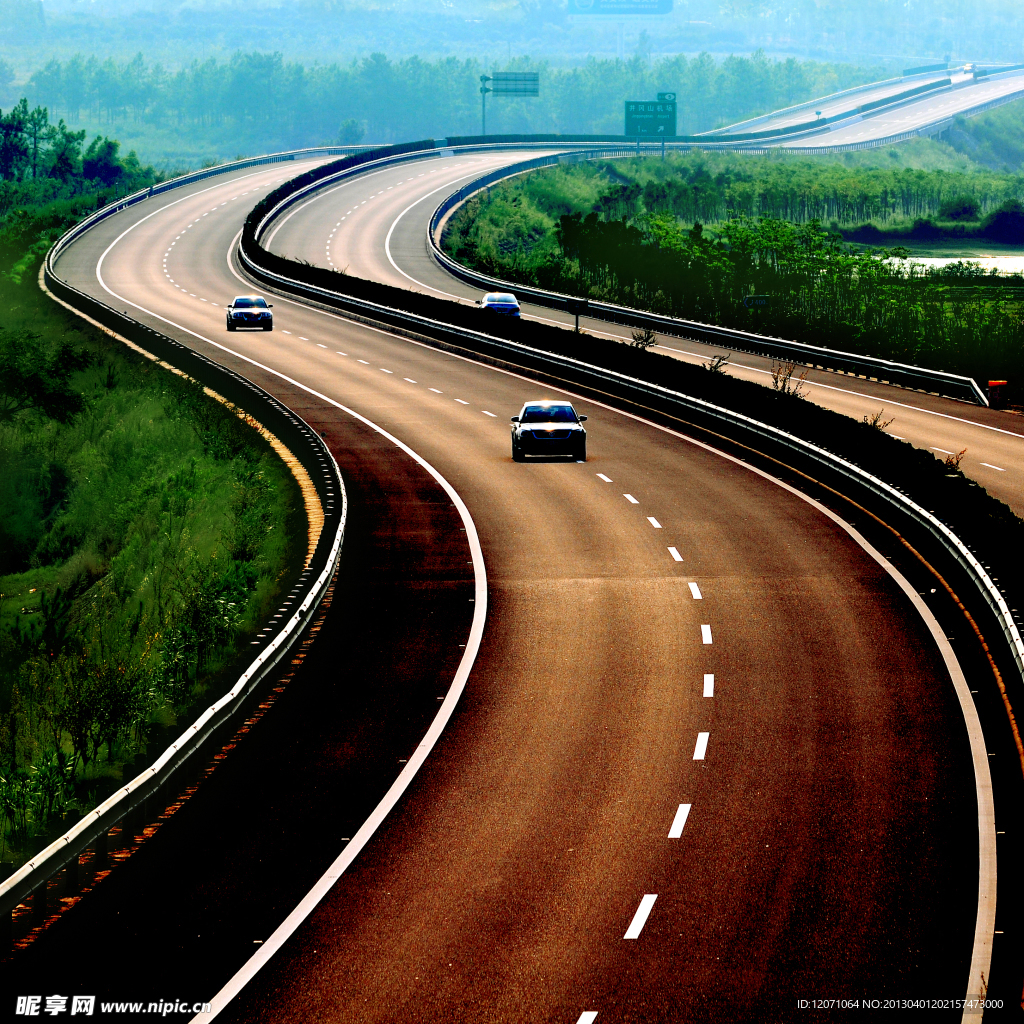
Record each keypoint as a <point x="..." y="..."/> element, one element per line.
<point x="549" y="427"/>
<point x="250" y="311"/>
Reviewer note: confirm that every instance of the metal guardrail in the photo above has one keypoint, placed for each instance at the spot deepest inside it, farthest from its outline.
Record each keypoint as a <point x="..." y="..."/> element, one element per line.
<point x="884" y="370"/>
<point x="566" y="367"/>
<point x="278" y="637"/>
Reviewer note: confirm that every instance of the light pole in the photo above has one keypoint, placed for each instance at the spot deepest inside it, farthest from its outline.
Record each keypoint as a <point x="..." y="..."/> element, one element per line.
<point x="483" y="103"/>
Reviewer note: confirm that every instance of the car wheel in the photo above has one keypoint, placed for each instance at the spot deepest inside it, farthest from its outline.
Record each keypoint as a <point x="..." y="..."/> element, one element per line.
<point x="581" y="452"/>
<point x="517" y="453"/>
<point x="231" y="327"/>
<point x="268" y="327"/>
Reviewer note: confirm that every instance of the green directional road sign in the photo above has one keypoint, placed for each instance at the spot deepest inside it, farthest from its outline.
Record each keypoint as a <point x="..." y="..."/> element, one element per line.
<point x="651" y="118"/>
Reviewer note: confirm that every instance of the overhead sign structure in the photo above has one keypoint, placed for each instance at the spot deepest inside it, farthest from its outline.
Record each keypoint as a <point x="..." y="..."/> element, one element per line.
<point x="515" y="83"/>
<point x="620" y="8"/>
<point x="651" y="118"/>
<point x="506" y="83"/>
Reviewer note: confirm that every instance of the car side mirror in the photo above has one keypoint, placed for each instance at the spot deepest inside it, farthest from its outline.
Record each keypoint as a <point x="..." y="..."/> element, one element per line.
<point x="270" y="305"/>
<point x="583" y="419"/>
<point x="515" y="419"/>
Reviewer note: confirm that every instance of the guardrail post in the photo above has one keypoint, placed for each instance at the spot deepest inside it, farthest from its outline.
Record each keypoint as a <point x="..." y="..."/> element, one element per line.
<point x="7" y="938"/>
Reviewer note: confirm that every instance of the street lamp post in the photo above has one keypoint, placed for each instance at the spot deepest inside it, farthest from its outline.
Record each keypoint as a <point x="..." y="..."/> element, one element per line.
<point x="483" y="103"/>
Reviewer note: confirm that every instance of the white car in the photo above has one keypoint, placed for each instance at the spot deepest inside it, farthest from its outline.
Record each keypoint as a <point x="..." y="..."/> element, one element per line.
<point x="547" y="427"/>
<point x="250" y="311"/>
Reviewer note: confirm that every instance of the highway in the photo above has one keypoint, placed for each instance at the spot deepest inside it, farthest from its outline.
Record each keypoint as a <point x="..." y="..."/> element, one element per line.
<point x="829" y="106"/>
<point x="378" y="230"/>
<point x="966" y="94"/>
<point x="710" y="759"/>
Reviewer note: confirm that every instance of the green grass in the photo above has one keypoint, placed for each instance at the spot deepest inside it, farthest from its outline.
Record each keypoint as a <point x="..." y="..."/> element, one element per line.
<point x="143" y="540"/>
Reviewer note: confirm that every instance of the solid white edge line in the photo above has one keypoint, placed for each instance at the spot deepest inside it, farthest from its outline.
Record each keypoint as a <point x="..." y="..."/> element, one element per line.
<point x="679" y="821"/>
<point x="981" y="955"/>
<point x="701" y="747"/>
<point x="437" y="726"/>
<point x="636" y="926"/>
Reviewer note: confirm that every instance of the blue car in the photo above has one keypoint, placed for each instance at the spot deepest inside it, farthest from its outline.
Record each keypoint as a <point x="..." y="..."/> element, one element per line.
<point x="500" y="302"/>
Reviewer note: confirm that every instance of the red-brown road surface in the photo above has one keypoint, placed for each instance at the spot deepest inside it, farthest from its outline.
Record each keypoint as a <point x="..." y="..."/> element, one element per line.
<point x="831" y="845"/>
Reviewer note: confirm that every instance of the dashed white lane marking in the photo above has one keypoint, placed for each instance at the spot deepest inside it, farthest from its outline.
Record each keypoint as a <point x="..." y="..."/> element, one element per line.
<point x="631" y="499"/>
<point x="943" y="450"/>
<point x="606" y="479"/>
<point x="587" y="1017"/>
<point x="301" y="338"/>
<point x="345" y="354"/>
<point x="705" y="633"/>
<point x="674" y="552"/>
<point x="709" y="684"/>
<point x="461" y="402"/>
<point x="382" y="370"/>
<point x="363" y="361"/>
<point x="636" y="926"/>
<point x="318" y="345"/>
<point x="702" y="746"/>
<point x="654" y="522"/>
<point x="679" y="821"/>
<point x="286" y="332"/>
<point x="998" y="469"/>
<point x="695" y="590"/>
<point x="436" y="392"/>
<point x="486" y="413"/>
<point x="409" y="379"/>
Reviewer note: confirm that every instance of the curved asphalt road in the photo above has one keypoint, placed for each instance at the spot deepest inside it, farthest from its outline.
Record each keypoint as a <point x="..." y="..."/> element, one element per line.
<point x="666" y="628"/>
<point x="377" y="229"/>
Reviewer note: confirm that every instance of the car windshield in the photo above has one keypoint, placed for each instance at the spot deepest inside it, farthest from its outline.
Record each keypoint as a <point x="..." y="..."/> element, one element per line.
<point x="248" y="302"/>
<point x="548" y="414"/>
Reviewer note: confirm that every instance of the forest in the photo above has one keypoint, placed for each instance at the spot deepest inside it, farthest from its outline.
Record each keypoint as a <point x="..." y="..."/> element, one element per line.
<point x="695" y="236"/>
<point x="255" y="100"/>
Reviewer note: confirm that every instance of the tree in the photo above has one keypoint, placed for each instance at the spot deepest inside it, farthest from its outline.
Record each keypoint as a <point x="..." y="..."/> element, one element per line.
<point x="32" y="379"/>
<point x="37" y="125"/>
<point x="13" y="148"/>
<point x="100" y="162"/>
<point x="65" y="151"/>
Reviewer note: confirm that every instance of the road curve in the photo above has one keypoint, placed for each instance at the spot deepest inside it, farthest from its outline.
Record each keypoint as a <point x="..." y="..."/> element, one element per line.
<point x="667" y="628"/>
<point x="385" y="240"/>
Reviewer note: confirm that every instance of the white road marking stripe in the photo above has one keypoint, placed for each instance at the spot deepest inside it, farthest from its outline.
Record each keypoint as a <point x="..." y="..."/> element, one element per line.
<point x="363" y="361"/>
<point x="382" y="370"/>
<point x="631" y="499"/>
<point x="640" y="917"/>
<point x="709" y="684"/>
<point x="679" y="821"/>
<point x="702" y="746"/>
<point x="286" y="332"/>
<point x="436" y="392"/>
<point x="943" y="450"/>
<point x="341" y="354"/>
<point x="705" y="633"/>
<point x="587" y="1017"/>
<point x="606" y="479"/>
<point x="998" y="469"/>
<point x="654" y="522"/>
<point x="461" y="402"/>
<point x="674" y="552"/>
<point x="695" y="590"/>
<point x="409" y="379"/>
<point x="486" y="413"/>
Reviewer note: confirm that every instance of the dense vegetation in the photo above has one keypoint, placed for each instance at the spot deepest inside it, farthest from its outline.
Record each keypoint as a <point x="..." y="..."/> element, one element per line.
<point x="144" y="530"/>
<point x="994" y="139"/>
<point x="260" y="100"/>
<point x="695" y="236"/>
